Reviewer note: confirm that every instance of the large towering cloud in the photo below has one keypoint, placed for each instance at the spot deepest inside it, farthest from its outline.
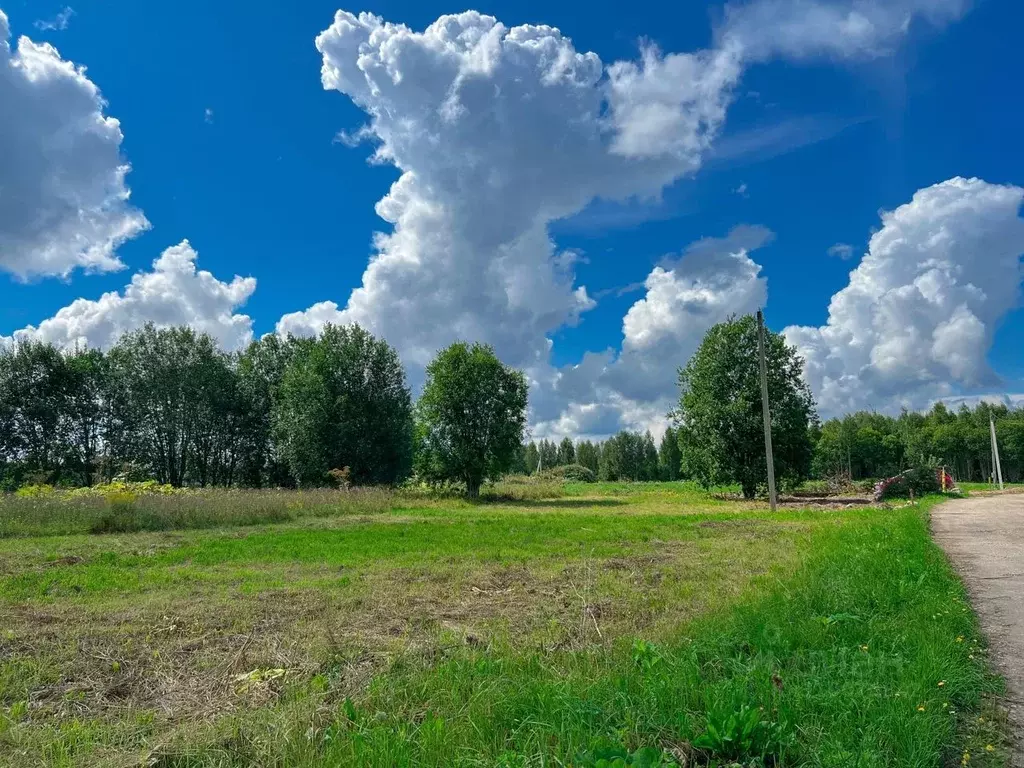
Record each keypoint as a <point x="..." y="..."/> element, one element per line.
<point x="917" y="319"/>
<point x="63" y="199"/>
<point x="499" y="131"/>
<point x="173" y="293"/>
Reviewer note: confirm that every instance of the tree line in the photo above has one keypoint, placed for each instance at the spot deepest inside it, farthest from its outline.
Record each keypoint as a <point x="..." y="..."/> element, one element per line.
<point x="167" y="404"/>
<point x="628" y="456"/>
<point x="871" y="445"/>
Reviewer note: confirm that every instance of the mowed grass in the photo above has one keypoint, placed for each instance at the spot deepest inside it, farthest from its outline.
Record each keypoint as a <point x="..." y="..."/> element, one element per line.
<point x="519" y="632"/>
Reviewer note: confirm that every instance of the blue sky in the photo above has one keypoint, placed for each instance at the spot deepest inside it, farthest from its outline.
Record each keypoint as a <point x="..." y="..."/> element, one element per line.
<point x="231" y="139"/>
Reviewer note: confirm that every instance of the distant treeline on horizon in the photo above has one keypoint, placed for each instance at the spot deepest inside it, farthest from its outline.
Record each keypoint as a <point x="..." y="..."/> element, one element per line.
<point x="168" y="405"/>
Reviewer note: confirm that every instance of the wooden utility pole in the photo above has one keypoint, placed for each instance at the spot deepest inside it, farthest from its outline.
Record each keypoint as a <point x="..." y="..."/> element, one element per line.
<point x="997" y="468"/>
<point x="766" y="411"/>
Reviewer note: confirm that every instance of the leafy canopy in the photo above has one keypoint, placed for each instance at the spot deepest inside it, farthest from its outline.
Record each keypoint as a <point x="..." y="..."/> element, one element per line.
<point x="343" y="402"/>
<point x="721" y="432"/>
<point x="470" y="417"/>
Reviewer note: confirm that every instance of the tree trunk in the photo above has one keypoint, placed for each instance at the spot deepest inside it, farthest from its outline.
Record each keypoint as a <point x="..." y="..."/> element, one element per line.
<point x="749" y="490"/>
<point x="473" y="487"/>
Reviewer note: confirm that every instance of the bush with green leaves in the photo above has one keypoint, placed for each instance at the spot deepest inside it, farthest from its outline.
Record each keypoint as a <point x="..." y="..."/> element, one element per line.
<point x="572" y="473"/>
<point x="744" y="734"/>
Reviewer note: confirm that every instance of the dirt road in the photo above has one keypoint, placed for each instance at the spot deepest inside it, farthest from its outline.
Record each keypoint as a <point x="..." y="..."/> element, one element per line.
<point x="984" y="537"/>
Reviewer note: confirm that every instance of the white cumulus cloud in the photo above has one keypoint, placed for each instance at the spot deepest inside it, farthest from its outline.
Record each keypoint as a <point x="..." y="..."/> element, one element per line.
<point x="916" y="321"/>
<point x="173" y="293"/>
<point x="500" y="131"/>
<point x="714" y="279"/>
<point x="63" y="199"/>
<point x="497" y="131"/>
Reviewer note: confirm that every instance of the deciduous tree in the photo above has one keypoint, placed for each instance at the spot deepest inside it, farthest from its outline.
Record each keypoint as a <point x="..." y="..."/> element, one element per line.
<point x="470" y="417"/>
<point x="720" y="416"/>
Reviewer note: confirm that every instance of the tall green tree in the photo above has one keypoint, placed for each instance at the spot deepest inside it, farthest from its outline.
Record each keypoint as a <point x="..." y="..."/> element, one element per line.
<point x="720" y="415"/>
<point x="548" y="454"/>
<point x="566" y="452"/>
<point x="669" y="456"/>
<point x="589" y="456"/>
<point x="260" y="371"/>
<point x="35" y="386"/>
<point x="649" y="470"/>
<point x="168" y="387"/>
<point x="609" y="466"/>
<point x="470" y="417"/>
<point x="343" y="402"/>
<point x="86" y="398"/>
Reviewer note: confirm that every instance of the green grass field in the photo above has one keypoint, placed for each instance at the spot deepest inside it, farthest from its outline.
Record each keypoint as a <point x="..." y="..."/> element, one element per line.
<point x="649" y="622"/>
<point x="975" y="487"/>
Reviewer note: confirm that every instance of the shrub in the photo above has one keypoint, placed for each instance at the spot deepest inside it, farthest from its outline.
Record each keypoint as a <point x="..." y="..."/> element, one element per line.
<point x="538" y="490"/>
<point x="34" y="491"/>
<point x="118" y="488"/>
<point x="573" y="473"/>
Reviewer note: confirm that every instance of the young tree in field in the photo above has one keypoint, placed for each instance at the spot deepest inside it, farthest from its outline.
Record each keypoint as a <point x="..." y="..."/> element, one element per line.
<point x="343" y="402"/>
<point x="471" y="416"/>
<point x="720" y="418"/>
<point x="669" y="457"/>
<point x="566" y="452"/>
